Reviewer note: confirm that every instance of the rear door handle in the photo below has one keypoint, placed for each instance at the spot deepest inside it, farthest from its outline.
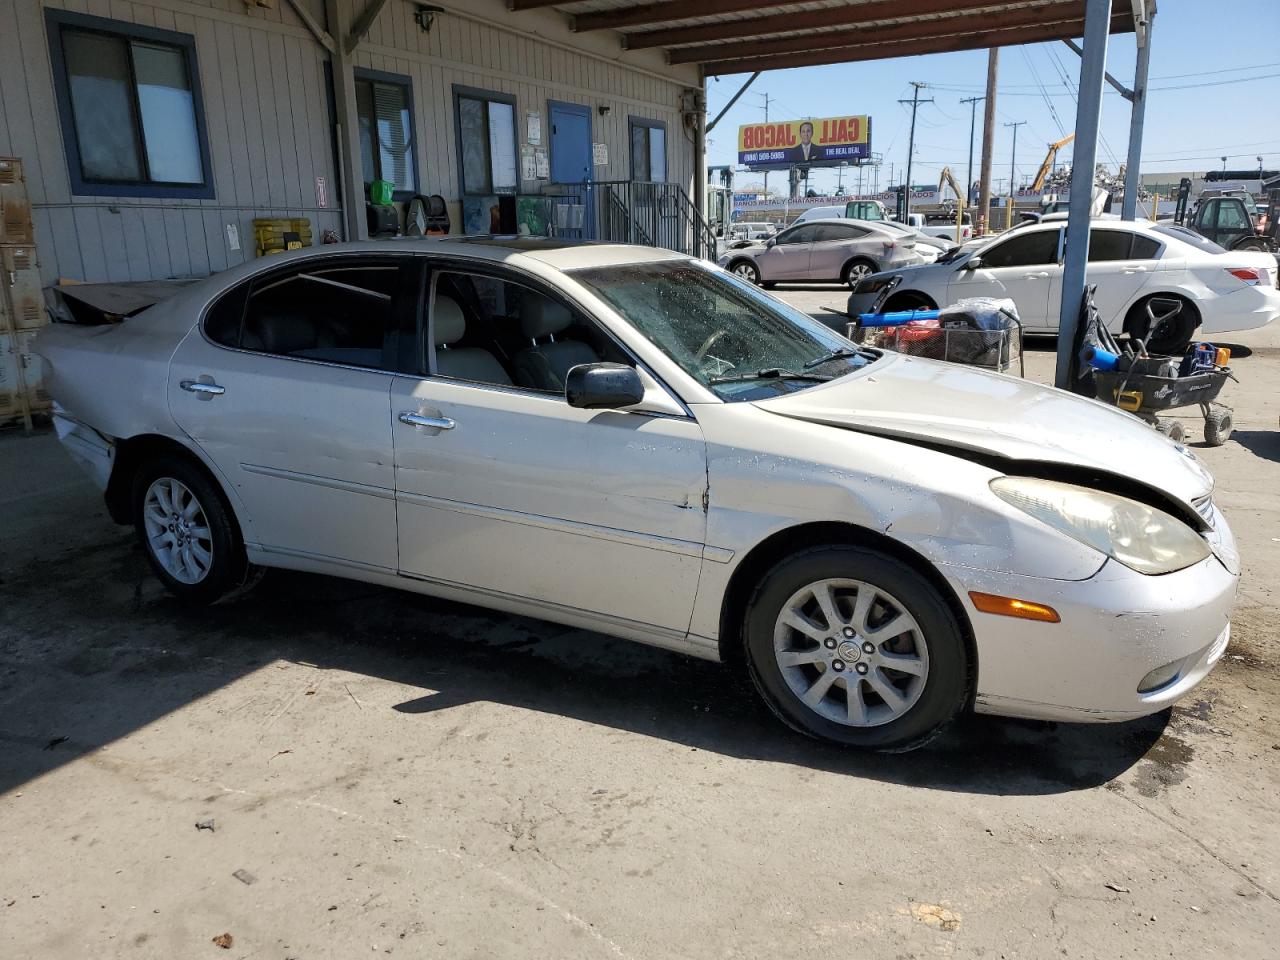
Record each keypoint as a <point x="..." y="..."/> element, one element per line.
<point x="1135" y="269"/>
<point x="202" y="389"/>
<point x="418" y="420"/>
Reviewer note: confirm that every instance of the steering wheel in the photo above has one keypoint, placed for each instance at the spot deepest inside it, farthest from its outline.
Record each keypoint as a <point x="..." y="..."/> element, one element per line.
<point x="708" y="343"/>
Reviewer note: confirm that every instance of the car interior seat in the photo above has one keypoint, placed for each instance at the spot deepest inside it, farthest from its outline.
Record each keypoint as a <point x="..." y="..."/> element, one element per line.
<point x="465" y="363"/>
<point x="544" y="366"/>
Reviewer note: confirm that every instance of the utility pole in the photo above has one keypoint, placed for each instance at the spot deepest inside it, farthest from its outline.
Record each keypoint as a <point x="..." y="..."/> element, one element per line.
<point x="988" y="140"/>
<point x="766" y="120"/>
<point x="973" y="120"/>
<point x="915" y="102"/>
<point x="1008" y="217"/>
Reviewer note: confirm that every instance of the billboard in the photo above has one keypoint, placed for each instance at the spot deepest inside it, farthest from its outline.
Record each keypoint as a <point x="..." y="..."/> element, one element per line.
<point x="820" y="142"/>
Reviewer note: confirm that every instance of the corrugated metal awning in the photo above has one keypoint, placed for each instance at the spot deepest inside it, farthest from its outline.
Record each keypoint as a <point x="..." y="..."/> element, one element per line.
<point x="741" y="36"/>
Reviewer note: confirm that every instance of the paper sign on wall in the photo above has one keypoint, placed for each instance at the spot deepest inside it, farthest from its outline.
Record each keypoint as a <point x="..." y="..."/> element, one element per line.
<point x="322" y="192"/>
<point x="543" y="161"/>
<point x="533" y="133"/>
<point x="600" y="154"/>
<point x="528" y="165"/>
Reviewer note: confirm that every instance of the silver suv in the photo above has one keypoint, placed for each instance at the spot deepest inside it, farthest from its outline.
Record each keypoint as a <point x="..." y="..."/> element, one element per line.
<point x="823" y="250"/>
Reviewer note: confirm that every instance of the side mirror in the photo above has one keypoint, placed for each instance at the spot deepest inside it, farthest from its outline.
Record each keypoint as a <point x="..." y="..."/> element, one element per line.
<point x="603" y="386"/>
<point x="770" y="242"/>
<point x="973" y="263"/>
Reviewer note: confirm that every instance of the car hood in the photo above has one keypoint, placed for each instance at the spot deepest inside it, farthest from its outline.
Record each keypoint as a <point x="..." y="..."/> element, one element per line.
<point x="992" y="415"/>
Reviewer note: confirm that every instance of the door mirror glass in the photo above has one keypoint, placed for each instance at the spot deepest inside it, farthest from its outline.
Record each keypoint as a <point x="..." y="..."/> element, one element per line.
<point x="603" y="386"/>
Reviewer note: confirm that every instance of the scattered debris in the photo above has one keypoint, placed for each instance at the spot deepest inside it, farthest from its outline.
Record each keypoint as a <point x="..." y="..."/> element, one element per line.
<point x="353" y="696"/>
<point x="224" y="940"/>
<point x="245" y="877"/>
<point x="205" y="825"/>
<point x="334" y="907"/>
<point x="309" y="693"/>
<point x="55" y="741"/>
<point x="1116" y="887"/>
<point x="278" y="753"/>
<point x="935" y="915"/>
<point x="396" y="800"/>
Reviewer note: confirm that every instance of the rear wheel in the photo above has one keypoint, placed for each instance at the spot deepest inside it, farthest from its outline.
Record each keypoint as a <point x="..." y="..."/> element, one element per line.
<point x="851" y="645"/>
<point x="1171" y="429"/>
<point x="1175" y="324"/>
<point x="855" y="271"/>
<point x="1218" y="425"/>
<point x="1250" y="243"/>
<point x="747" y="270"/>
<point x="188" y="532"/>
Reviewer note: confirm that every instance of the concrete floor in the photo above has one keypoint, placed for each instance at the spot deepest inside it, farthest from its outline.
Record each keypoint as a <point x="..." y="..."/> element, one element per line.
<point x="402" y="776"/>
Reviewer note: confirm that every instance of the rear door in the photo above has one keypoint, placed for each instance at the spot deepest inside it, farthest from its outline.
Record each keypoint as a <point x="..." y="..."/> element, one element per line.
<point x="1121" y="263"/>
<point x="833" y="246"/>
<point x="1023" y="268"/>
<point x="788" y="258"/>
<point x="286" y="388"/>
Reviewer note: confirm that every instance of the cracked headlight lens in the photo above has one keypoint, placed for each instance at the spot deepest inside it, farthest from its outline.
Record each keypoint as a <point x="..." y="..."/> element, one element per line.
<point x="1141" y="537"/>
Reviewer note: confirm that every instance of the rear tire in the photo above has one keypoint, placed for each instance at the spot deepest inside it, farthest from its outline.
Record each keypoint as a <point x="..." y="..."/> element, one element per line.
<point x="1218" y="425"/>
<point x="1172" y="429"/>
<point x="851" y="645"/>
<point x="1173" y="335"/>
<point x="855" y="271"/>
<point x="188" y="532"/>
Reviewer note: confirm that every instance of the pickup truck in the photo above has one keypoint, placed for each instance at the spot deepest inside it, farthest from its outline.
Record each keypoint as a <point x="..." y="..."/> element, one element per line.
<point x="942" y="225"/>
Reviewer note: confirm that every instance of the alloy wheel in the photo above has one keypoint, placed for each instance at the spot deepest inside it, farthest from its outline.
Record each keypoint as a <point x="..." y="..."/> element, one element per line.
<point x="178" y="533"/>
<point x="747" y="272"/>
<point x="851" y="652"/>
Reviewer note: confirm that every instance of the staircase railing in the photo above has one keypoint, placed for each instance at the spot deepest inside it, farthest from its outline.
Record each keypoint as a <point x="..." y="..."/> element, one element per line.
<point x="633" y="211"/>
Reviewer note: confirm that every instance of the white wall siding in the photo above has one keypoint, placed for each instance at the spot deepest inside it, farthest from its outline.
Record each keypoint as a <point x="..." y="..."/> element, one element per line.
<point x="262" y="81"/>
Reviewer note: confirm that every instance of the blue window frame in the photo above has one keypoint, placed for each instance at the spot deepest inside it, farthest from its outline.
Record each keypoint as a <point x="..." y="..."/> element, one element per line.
<point x="130" y="107"/>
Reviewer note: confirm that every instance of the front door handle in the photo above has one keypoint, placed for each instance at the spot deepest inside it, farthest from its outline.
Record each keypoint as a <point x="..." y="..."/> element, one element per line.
<point x="418" y="420"/>
<point x="203" y="389"/>
<point x="1035" y="276"/>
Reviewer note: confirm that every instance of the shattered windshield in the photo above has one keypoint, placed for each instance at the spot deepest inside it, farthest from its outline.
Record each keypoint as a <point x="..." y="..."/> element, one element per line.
<point x="723" y="331"/>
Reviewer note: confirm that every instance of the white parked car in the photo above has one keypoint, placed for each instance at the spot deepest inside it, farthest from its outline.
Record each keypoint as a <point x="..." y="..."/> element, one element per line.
<point x="823" y="250"/>
<point x="1131" y="263"/>
<point x="629" y="441"/>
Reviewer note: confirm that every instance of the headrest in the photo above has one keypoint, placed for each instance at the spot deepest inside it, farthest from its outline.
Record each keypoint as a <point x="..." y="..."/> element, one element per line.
<point x="287" y="332"/>
<point x="540" y="317"/>
<point x="447" y="320"/>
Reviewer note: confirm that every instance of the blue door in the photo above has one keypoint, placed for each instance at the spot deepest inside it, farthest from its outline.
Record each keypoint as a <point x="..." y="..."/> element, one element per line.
<point x="571" y="164"/>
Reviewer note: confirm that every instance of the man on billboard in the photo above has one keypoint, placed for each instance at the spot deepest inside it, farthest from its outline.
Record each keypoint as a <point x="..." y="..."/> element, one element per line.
<point x="806" y="151"/>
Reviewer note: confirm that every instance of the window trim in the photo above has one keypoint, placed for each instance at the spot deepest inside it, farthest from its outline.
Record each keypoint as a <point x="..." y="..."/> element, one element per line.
<point x="405" y="82"/>
<point x="58" y="20"/>
<point x="476" y="93"/>
<point x="651" y="124"/>
<point x="1022" y="236"/>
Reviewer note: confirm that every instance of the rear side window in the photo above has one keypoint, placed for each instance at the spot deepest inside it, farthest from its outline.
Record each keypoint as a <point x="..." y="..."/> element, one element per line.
<point x="1144" y="248"/>
<point x="222" y="321"/>
<point x="838" y="231"/>
<point x="1028" y="250"/>
<point x="1109" y="245"/>
<point x="336" y="311"/>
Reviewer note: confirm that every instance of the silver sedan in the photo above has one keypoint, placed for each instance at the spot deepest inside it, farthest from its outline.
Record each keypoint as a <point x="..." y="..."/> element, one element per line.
<point x="629" y="441"/>
<point x="841" y="250"/>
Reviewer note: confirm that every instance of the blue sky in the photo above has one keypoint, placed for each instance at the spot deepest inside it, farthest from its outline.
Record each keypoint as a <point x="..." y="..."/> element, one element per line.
<point x="1200" y="107"/>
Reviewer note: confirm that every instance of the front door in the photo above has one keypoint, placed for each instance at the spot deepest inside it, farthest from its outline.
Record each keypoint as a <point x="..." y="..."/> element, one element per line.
<point x="571" y="157"/>
<point x="1022" y="268"/>
<point x="508" y="490"/>
<point x="287" y="391"/>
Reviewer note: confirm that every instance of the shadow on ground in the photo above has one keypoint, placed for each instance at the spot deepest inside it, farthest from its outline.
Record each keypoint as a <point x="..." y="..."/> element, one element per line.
<point x="91" y="649"/>
<point x="1264" y="444"/>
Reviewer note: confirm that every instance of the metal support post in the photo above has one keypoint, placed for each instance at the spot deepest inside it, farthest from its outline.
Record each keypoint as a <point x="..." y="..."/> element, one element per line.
<point x="1093" y="64"/>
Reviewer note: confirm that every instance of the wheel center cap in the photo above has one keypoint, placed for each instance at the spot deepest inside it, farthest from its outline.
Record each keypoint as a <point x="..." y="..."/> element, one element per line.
<point x="849" y="651"/>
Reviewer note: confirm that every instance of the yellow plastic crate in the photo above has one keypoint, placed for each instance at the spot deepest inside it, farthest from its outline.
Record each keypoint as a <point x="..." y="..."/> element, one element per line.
<point x="269" y="234"/>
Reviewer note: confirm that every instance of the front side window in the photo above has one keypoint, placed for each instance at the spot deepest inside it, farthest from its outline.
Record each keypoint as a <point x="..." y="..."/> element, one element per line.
<point x="804" y="234"/>
<point x="725" y="333"/>
<point x="486" y="142"/>
<point x="132" y="120"/>
<point x="335" y="310"/>
<point x="384" y="106"/>
<point x="1028" y="250"/>
<point x="648" y="150"/>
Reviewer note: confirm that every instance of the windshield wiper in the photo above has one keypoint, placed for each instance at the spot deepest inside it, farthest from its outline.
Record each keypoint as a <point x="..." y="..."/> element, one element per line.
<point x="768" y="373"/>
<point x="840" y="353"/>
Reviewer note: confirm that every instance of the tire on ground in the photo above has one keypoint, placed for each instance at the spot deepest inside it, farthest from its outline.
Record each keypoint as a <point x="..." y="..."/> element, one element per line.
<point x="950" y="670"/>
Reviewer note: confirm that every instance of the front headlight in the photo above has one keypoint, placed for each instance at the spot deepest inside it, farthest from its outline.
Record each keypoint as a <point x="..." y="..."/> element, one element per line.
<point x="1141" y="537"/>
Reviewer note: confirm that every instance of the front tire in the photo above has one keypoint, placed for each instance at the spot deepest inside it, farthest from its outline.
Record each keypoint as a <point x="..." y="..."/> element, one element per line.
<point x="851" y="645"/>
<point x="747" y="270"/>
<point x="188" y="532"/>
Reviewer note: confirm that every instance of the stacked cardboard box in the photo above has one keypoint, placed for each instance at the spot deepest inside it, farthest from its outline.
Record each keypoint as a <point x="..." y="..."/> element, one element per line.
<point x="22" y="311"/>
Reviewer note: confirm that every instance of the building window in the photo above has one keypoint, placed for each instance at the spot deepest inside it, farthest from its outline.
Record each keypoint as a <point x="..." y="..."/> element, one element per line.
<point x="129" y="102"/>
<point x="486" y="141"/>
<point x="384" y="104"/>
<point x="648" y="150"/>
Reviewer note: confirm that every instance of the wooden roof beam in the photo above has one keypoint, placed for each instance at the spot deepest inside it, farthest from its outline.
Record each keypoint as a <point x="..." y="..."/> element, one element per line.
<point x="518" y="5"/>
<point x="980" y="40"/>
<point x="848" y="16"/>
<point x="646" y="14"/>
<point x="1057" y="12"/>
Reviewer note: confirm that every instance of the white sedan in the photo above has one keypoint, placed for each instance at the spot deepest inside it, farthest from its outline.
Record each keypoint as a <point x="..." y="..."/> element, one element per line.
<point x="1198" y="288"/>
<point x="626" y="440"/>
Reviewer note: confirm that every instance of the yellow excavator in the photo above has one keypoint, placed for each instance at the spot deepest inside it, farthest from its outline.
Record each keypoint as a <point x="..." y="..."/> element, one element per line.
<point x="1043" y="173"/>
<point x="948" y="179"/>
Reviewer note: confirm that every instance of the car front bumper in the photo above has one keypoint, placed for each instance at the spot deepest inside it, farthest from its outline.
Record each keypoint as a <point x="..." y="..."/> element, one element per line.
<point x="1117" y="627"/>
